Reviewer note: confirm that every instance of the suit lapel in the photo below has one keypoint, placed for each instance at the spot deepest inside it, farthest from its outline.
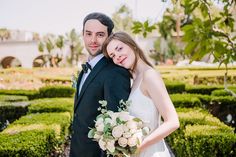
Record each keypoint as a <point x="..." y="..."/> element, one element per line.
<point x="77" y="85"/>
<point x="98" y="67"/>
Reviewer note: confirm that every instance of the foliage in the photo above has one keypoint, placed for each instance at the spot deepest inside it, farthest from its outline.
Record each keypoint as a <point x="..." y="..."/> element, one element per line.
<point x="51" y="43"/>
<point x="212" y="35"/>
<point x="28" y="144"/>
<point x="56" y="91"/>
<point x="51" y="105"/>
<point x="55" y="44"/>
<point x="123" y="19"/>
<point x="201" y="134"/>
<point x="144" y="28"/>
<point x="75" y="45"/>
<point x="13" y="98"/>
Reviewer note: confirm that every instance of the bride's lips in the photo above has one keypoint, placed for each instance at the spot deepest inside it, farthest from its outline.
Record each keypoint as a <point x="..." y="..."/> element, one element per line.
<point x="123" y="60"/>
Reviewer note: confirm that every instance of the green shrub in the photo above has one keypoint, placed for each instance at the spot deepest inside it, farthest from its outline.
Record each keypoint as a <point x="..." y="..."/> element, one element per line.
<point x="13" y="98"/>
<point x="35" y="134"/>
<point x="175" y="87"/>
<point x="201" y="89"/>
<point x="222" y="92"/>
<point x="201" y="134"/>
<point x="185" y="100"/>
<point x="51" y="105"/>
<point x="58" y="119"/>
<point x="56" y="91"/>
<point x="31" y="94"/>
<point x="32" y="143"/>
<point x="11" y="111"/>
<point x="206" y="140"/>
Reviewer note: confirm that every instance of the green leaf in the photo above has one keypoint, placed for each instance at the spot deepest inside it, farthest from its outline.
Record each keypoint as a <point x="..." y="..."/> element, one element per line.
<point x="41" y="47"/>
<point x="91" y="133"/>
<point x="190" y="47"/>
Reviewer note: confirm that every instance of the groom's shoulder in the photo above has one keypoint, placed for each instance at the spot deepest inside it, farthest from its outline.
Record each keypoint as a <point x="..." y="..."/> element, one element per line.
<point x="113" y="68"/>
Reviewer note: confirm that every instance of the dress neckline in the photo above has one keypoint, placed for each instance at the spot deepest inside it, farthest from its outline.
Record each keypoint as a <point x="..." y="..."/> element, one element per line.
<point x="137" y="89"/>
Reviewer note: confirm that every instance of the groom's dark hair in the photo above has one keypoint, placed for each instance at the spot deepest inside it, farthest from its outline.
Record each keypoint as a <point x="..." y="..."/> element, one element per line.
<point x="104" y="19"/>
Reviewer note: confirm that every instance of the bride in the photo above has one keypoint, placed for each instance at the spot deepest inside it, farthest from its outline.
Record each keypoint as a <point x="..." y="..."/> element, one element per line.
<point x="150" y="100"/>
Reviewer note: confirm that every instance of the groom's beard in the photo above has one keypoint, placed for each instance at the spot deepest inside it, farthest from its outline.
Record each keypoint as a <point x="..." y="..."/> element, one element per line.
<point x="99" y="51"/>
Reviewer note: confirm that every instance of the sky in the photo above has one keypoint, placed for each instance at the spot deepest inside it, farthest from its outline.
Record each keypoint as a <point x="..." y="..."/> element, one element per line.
<point x="60" y="16"/>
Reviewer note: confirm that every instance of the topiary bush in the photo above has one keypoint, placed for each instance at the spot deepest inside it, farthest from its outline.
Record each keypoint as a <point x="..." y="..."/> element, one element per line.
<point x="51" y="105"/>
<point x="56" y="91"/>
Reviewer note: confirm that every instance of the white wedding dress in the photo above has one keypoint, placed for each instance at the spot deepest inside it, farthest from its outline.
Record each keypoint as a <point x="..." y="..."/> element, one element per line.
<point x="144" y="108"/>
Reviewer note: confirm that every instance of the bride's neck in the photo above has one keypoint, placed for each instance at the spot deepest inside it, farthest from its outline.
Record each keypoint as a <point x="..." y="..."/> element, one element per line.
<point x="141" y="66"/>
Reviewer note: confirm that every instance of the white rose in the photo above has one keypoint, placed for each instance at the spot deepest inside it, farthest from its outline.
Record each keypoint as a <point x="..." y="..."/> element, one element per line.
<point x="99" y="121"/>
<point x="100" y="127"/>
<point x="102" y="144"/>
<point x="125" y="128"/>
<point x="97" y="136"/>
<point x="127" y="134"/>
<point x="111" y="146"/>
<point x="107" y="120"/>
<point x="132" y="141"/>
<point x="140" y="124"/>
<point x="122" y="142"/>
<point x="132" y="131"/>
<point x="110" y="113"/>
<point x="124" y="116"/>
<point x="117" y="131"/>
<point x="131" y="124"/>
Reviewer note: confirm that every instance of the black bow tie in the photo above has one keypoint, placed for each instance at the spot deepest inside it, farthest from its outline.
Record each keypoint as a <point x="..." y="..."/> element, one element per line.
<point x="85" y="67"/>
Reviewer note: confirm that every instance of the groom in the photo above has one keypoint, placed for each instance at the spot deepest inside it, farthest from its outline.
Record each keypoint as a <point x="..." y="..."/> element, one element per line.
<point x="100" y="80"/>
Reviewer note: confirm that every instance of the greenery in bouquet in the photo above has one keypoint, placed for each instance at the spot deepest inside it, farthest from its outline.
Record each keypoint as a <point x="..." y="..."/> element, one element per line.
<point x="118" y="133"/>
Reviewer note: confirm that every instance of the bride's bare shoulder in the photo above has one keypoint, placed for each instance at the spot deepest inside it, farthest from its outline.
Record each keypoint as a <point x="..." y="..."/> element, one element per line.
<point x="151" y="74"/>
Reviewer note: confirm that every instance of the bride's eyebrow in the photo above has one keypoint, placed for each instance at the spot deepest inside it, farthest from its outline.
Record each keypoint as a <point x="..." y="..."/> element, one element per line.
<point x="116" y="47"/>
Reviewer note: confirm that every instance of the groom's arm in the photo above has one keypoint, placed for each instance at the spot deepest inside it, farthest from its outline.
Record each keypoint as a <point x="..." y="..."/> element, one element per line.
<point x="116" y="87"/>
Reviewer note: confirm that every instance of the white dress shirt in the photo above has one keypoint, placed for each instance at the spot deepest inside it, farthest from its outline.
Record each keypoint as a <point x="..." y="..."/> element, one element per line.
<point x="92" y="62"/>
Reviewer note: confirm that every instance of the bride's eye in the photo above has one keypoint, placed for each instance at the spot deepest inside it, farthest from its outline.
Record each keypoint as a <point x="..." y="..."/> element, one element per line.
<point x="120" y="48"/>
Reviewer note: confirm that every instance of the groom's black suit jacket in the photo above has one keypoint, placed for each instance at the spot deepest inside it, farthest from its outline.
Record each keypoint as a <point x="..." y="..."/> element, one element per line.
<point x="106" y="81"/>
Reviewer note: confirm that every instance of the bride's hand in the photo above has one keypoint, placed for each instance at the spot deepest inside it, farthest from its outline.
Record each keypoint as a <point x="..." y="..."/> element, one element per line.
<point x="141" y="147"/>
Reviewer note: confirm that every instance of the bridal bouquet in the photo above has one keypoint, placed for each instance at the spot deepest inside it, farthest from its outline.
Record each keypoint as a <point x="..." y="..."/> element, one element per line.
<point x="118" y="133"/>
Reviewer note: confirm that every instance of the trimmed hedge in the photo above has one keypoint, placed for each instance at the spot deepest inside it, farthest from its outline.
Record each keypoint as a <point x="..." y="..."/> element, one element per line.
<point x="10" y="111"/>
<point x="206" y="140"/>
<point x="51" y="105"/>
<point x="12" y="98"/>
<point x="35" y="134"/>
<point x="202" y="135"/>
<point x="175" y="87"/>
<point x="27" y="144"/>
<point x="56" y="91"/>
<point x="61" y="119"/>
<point x="185" y="100"/>
<point x="201" y="89"/>
<point x="222" y="92"/>
<point x="44" y="92"/>
<point x="31" y="94"/>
